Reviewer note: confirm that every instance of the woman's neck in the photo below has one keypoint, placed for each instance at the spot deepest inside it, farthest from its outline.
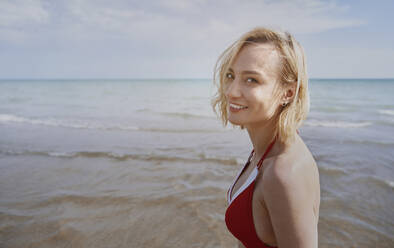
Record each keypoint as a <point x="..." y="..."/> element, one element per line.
<point x="261" y="137"/>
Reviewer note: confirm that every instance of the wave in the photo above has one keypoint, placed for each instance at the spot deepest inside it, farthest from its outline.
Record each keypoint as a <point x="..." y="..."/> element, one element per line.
<point x="177" y="114"/>
<point x="375" y="181"/>
<point x="336" y="124"/>
<point x="333" y="109"/>
<point x="6" y="118"/>
<point x="387" y="122"/>
<point x="370" y="142"/>
<point x="389" y="183"/>
<point x="386" y="112"/>
<point x="331" y="171"/>
<point x="61" y="123"/>
<point x="60" y="197"/>
<point x="187" y="115"/>
<point x="184" y="130"/>
<point x="112" y="155"/>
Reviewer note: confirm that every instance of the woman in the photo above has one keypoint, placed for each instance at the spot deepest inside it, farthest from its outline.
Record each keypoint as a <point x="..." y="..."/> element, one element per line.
<point x="263" y="87"/>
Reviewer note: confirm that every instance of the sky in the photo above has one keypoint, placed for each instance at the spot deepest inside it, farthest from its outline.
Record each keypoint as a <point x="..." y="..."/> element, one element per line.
<point x="183" y="38"/>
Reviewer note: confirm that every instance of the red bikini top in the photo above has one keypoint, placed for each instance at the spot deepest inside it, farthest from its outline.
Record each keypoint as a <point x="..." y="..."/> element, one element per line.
<point x="239" y="216"/>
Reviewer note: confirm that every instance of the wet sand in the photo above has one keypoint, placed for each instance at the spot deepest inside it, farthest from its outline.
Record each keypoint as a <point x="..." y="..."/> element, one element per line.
<point x="108" y="202"/>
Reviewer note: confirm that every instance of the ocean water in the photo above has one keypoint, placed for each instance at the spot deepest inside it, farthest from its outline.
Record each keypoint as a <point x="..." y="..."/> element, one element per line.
<point x="146" y="163"/>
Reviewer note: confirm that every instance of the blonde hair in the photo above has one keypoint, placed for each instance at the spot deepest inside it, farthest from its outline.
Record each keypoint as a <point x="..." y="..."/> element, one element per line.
<point x="293" y="72"/>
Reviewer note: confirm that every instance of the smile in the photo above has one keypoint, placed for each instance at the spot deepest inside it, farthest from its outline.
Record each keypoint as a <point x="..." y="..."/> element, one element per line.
<point x="237" y="107"/>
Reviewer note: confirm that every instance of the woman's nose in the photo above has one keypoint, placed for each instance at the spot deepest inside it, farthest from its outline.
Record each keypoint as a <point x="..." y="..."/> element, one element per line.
<point x="233" y="90"/>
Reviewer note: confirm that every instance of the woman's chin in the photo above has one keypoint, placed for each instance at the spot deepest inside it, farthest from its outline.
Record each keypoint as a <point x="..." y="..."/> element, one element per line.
<point x="236" y="122"/>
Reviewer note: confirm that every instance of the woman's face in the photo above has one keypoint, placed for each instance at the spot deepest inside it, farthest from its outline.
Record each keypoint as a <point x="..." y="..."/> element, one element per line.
<point x="251" y="88"/>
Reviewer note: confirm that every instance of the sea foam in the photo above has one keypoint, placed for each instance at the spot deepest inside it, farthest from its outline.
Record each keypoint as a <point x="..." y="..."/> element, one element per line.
<point x="336" y="124"/>
<point x="386" y="112"/>
<point x="7" y="118"/>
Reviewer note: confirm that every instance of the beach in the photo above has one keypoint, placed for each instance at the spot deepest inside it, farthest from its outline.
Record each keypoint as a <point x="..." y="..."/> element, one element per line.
<point x="146" y="163"/>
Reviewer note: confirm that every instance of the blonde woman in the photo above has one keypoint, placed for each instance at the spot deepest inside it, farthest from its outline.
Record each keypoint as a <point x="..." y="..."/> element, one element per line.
<point x="263" y="86"/>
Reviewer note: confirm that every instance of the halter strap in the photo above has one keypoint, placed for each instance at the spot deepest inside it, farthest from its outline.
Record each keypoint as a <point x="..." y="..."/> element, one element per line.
<point x="265" y="154"/>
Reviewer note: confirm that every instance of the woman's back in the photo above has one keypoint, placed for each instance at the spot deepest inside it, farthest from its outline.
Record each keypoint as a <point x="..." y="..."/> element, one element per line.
<point x="295" y="159"/>
<point x="280" y="161"/>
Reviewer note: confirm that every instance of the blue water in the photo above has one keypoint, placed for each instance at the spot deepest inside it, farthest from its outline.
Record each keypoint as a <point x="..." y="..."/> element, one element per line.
<point x="345" y="111"/>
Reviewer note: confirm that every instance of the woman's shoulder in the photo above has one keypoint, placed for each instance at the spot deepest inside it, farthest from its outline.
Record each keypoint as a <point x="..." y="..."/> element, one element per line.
<point x="294" y="168"/>
<point x="284" y="171"/>
<point x="292" y="158"/>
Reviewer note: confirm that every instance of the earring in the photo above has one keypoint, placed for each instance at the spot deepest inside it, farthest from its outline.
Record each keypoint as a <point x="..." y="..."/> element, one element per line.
<point x="284" y="104"/>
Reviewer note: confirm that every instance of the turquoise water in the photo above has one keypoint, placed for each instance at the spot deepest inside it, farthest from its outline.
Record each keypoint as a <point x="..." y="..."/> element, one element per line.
<point x="349" y="131"/>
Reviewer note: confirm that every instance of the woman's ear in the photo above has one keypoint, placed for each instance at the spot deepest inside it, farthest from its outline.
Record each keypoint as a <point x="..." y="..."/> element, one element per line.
<point x="288" y="95"/>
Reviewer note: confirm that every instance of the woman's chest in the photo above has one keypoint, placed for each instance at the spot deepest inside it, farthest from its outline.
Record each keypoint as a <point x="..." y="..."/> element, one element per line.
<point x="261" y="218"/>
<point x="242" y="181"/>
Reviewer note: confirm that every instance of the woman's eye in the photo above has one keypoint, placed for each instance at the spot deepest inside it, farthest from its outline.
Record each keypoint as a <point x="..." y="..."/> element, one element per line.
<point x="251" y="80"/>
<point x="229" y="76"/>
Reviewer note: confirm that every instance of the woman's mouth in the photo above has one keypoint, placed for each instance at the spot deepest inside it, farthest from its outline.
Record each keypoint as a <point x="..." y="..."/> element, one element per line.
<point x="236" y="108"/>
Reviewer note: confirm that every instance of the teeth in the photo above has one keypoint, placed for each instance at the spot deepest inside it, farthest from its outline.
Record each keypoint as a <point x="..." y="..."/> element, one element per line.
<point x="237" y="106"/>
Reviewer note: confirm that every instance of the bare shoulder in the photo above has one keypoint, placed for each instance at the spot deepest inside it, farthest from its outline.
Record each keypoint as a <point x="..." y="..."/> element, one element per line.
<point x="288" y="188"/>
<point x="296" y="162"/>
<point x="285" y="173"/>
<point x="293" y="172"/>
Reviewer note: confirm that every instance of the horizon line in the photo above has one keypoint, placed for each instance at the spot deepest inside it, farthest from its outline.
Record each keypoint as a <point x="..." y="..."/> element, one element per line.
<point x="175" y="78"/>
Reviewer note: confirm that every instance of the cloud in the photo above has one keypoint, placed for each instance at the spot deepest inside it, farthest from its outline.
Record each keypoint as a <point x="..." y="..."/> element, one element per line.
<point x="209" y="17"/>
<point x="151" y="35"/>
<point x="17" y="17"/>
<point x="174" y="26"/>
<point x="17" y="13"/>
<point x="175" y="18"/>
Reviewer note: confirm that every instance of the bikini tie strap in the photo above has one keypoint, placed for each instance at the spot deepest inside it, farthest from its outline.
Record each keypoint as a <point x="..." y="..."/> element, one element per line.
<point x="265" y="154"/>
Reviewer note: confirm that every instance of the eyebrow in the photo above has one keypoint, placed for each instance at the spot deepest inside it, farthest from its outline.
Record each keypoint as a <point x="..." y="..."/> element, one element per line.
<point x="251" y="72"/>
<point x="248" y="72"/>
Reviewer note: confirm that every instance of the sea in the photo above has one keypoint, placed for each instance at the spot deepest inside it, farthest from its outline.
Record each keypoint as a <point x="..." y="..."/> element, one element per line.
<point x="147" y="163"/>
